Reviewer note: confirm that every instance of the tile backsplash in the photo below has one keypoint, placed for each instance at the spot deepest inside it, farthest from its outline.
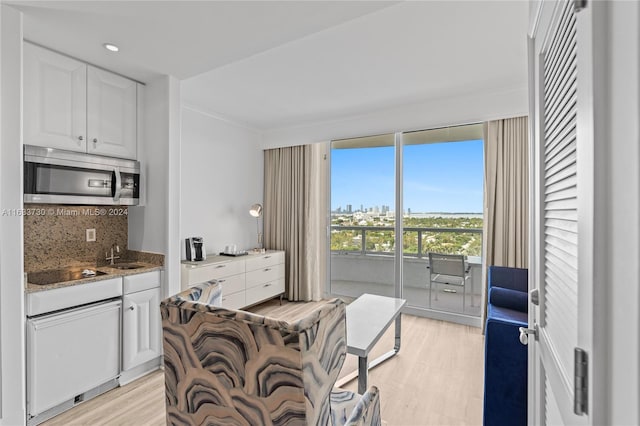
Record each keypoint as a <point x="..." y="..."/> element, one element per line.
<point x="55" y="235"/>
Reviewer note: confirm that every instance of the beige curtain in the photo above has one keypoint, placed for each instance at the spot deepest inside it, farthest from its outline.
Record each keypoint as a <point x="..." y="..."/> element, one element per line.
<point x="506" y="198"/>
<point x="295" y="216"/>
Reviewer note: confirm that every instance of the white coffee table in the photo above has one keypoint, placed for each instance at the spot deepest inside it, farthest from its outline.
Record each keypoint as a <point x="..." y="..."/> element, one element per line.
<point x="368" y="317"/>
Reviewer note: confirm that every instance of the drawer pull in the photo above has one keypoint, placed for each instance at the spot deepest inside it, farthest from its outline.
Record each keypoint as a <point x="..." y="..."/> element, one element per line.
<point x="267" y="269"/>
<point x="267" y="257"/>
<point x="220" y="266"/>
<point x="224" y="298"/>
<point x="267" y="285"/>
<point x="220" y="281"/>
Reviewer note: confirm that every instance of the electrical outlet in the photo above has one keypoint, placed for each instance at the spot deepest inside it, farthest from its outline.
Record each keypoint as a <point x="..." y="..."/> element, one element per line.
<point x="91" y="234"/>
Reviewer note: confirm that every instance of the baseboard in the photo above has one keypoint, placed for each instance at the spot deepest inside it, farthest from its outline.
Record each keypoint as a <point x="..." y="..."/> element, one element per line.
<point x="66" y="405"/>
<point x="444" y="316"/>
<point x="143" y="369"/>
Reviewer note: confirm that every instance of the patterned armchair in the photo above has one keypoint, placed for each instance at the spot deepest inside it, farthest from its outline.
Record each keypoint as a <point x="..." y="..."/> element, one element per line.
<point x="228" y="367"/>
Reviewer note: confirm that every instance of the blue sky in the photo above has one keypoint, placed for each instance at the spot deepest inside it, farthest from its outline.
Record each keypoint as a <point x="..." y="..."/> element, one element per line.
<point x="438" y="177"/>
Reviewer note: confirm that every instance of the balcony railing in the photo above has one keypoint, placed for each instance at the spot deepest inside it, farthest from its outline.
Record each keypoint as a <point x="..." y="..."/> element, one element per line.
<point x="417" y="242"/>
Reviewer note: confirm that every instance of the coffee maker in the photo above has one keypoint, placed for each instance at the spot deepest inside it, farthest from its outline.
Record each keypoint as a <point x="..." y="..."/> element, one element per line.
<point x="195" y="249"/>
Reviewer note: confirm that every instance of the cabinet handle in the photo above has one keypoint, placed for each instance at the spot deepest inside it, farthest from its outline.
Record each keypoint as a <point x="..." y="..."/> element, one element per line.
<point x="224" y="298"/>
<point x="220" y="266"/>
<point x="267" y="257"/>
<point x="80" y="138"/>
<point x="267" y="269"/>
<point x="131" y="308"/>
<point x="267" y="285"/>
<point x="220" y="281"/>
<point x="95" y="141"/>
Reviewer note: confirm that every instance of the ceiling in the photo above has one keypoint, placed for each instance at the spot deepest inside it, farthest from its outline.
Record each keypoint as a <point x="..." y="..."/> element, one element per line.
<point x="274" y="64"/>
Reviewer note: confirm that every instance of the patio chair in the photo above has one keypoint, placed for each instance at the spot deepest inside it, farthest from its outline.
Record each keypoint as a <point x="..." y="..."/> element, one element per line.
<point x="450" y="269"/>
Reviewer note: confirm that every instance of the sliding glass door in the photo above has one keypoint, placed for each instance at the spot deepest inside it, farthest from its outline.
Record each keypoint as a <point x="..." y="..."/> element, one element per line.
<point x="362" y="216"/>
<point x="395" y="199"/>
<point x="442" y="184"/>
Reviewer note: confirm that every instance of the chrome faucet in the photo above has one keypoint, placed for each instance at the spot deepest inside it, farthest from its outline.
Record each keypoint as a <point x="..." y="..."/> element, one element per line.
<point x="112" y="257"/>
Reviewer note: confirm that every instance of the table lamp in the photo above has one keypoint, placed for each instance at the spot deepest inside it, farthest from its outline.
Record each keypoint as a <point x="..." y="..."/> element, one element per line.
<point x="256" y="211"/>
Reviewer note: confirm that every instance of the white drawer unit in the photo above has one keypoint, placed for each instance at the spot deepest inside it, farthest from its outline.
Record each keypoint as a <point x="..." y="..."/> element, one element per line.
<point x="265" y="260"/>
<point x="264" y="275"/>
<point x="264" y="291"/>
<point x="234" y="301"/>
<point x="246" y="280"/>
<point x="232" y="284"/>
<point x="198" y="274"/>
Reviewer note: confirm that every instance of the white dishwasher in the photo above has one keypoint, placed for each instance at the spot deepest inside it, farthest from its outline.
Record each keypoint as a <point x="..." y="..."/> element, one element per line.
<point x="72" y="354"/>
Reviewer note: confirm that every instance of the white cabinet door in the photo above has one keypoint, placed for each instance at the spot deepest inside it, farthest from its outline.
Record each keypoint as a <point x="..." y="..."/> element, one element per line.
<point x="71" y="352"/>
<point x="141" y="328"/>
<point x="111" y="114"/>
<point x="54" y="100"/>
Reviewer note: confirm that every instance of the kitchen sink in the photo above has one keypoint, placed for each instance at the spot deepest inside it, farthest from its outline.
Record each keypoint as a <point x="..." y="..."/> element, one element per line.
<point x="126" y="266"/>
<point x="61" y="275"/>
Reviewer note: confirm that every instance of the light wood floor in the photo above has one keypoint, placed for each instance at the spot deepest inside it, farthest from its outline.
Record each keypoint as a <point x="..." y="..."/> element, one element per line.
<point x="436" y="378"/>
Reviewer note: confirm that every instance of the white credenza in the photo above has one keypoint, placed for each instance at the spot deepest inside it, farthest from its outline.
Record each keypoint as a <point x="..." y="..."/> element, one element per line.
<point x="246" y="280"/>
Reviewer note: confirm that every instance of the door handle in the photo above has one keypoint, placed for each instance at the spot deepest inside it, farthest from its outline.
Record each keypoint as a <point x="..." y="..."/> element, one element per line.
<point x="117" y="189"/>
<point x="525" y="332"/>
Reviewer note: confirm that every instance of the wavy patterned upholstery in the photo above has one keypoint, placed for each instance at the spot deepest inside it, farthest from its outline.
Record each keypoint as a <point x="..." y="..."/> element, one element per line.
<point x="228" y="367"/>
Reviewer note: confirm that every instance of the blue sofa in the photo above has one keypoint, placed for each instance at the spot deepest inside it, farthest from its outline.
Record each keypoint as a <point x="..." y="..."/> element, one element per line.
<point x="505" y="358"/>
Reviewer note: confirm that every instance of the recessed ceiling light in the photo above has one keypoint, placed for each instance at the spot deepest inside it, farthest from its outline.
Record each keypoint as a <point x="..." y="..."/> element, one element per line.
<point x="111" y="47"/>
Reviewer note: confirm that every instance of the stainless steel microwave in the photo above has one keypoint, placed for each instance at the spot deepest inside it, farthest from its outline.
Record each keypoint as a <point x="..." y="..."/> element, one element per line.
<point x="56" y="176"/>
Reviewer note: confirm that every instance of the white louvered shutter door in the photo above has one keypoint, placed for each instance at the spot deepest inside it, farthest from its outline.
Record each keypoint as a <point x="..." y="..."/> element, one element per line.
<point x="560" y="194"/>
<point x="562" y="228"/>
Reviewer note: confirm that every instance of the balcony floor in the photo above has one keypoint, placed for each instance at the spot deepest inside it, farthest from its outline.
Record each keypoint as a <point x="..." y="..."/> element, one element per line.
<point x="417" y="297"/>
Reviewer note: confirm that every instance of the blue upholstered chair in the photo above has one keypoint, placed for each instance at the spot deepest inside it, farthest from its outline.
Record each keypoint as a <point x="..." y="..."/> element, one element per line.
<point x="505" y="358"/>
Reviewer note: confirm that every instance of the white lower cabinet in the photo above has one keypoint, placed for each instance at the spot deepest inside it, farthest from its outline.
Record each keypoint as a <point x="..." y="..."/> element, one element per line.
<point x="84" y="340"/>
<point x="141" y="324"/>
<point x="70" y="353"/>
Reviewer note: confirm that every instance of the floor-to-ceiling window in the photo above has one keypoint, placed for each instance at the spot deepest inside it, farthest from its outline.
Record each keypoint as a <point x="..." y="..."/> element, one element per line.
<point x="439" y="176"/>
<point x="442" y="181"/>
<point x="363" y="177"/>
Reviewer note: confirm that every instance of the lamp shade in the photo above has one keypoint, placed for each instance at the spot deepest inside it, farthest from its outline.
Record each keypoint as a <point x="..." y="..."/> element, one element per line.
<point x="256" y="210"/>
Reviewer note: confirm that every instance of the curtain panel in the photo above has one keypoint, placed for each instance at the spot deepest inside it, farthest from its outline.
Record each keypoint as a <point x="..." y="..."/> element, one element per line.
<point x="506" y="198"/>
<point x="295" y="208"/>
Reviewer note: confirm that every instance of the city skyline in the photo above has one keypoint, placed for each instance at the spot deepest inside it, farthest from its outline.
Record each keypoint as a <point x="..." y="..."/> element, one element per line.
<point x="438" y="178"/>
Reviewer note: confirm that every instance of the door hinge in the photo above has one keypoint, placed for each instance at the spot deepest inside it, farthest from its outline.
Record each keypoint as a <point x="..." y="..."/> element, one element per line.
<point x="580" y="382"/>
<point x="535" y="296"/>
<point x="578" y="5"/>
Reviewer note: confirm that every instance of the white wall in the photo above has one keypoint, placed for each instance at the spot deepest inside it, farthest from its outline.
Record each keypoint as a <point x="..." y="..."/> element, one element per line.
<point x="471" y="108"/>
<point x="221" y="177"/>
<point x="153" y="227"/>
<point x="11" y="249"/>
<point x="621" y="110"/>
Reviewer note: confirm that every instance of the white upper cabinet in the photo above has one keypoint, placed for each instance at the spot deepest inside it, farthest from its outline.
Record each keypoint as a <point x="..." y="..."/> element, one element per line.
<point x="55" y="100"/>
<point x="111" y="114"/>
<point x="74" y="106"/>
